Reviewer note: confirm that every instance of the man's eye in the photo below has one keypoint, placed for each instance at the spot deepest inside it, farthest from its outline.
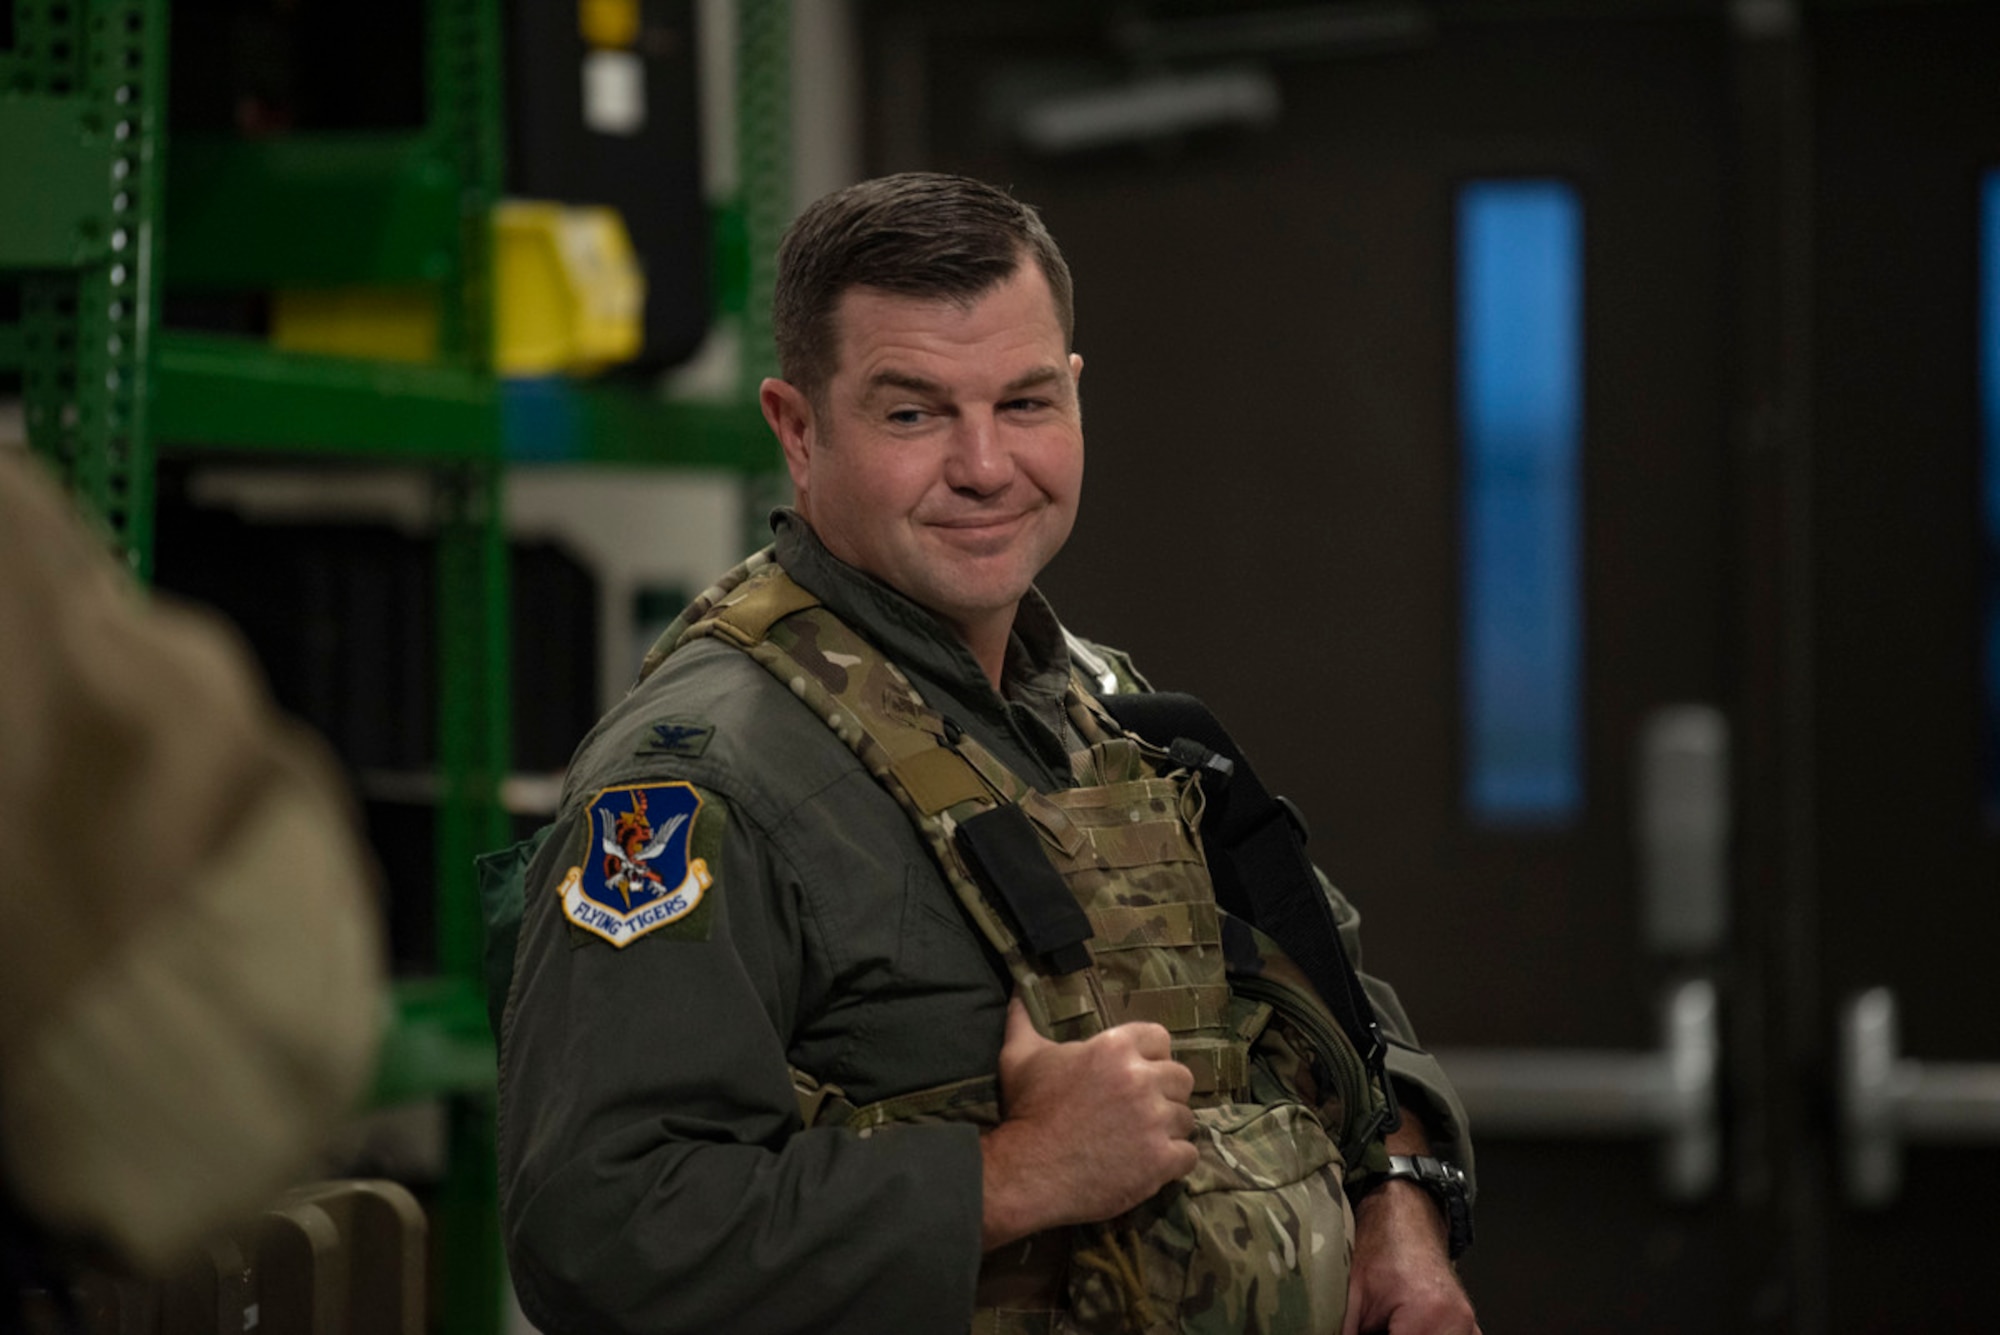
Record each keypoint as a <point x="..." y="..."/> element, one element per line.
<point x="1025" y="405"/>
<point x="907" y="416"/>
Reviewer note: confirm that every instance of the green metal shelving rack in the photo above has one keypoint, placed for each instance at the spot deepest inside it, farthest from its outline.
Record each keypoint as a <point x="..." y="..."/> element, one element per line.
<point x="82" y="117"/>
<point x="82" y="98"/>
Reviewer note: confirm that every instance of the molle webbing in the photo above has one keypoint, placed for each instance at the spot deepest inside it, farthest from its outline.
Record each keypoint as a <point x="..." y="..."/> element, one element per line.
<point x="1260" y="870"/>
<point x="1123" y="842"/>
<point x="976" y="1100"/>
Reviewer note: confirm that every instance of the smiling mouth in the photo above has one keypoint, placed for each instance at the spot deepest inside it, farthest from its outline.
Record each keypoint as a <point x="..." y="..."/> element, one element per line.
<point x="981" y="529"/>
<point x="985" y="521"/>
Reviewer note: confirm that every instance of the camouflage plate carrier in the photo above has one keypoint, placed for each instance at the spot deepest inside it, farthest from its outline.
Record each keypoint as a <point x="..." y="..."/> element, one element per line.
<point x="1258" y="1238"/>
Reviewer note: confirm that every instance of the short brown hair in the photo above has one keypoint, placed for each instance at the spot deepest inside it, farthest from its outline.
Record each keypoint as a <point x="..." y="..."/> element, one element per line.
<point x="917" y="234"/>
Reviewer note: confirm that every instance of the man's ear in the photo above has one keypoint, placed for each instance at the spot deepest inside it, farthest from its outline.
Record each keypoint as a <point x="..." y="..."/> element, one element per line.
<point x="790" y="414"/>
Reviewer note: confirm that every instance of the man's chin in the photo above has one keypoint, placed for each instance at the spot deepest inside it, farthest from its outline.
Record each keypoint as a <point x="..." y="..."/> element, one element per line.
<point x="970" y="598"/>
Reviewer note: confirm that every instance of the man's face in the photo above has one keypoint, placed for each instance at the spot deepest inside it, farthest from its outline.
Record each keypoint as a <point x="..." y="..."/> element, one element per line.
<point x="947" y="456"/>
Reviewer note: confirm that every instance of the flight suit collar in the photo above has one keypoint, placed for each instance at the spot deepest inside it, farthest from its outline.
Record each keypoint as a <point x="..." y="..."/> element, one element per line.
<point x="1024" y="723"/>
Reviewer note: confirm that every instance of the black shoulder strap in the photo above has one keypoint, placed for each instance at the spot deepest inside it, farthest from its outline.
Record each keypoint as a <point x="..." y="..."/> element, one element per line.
<point x="1257" y="859"/>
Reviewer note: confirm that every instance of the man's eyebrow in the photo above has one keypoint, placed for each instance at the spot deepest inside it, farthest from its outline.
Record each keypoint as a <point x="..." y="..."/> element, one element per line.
<point x="1035" y="379"/>
<point x="915" y="384"/>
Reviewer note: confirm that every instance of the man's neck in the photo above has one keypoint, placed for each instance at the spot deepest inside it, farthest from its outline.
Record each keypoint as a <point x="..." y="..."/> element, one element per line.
<point x="988" y="642"/>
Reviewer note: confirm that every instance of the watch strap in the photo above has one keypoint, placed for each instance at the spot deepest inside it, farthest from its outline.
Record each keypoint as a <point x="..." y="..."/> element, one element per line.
<point x="1446" y="1183"/>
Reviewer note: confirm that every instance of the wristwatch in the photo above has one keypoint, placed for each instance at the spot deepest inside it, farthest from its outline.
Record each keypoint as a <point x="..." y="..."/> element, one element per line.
<point x="1446" y="1183"/>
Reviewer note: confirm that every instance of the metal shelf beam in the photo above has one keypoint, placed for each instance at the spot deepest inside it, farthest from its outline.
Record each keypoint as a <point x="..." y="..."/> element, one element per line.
<point x="241" y="394"/>
<point x="562" y="421"/>
<point x="216" y="392"/>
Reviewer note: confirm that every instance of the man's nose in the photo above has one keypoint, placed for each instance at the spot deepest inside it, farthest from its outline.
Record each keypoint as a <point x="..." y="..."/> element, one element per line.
<point x="979" y="461"/>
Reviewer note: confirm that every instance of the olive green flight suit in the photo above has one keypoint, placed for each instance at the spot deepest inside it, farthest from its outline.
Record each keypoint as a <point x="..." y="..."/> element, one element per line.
<point x="654" y="1172"/>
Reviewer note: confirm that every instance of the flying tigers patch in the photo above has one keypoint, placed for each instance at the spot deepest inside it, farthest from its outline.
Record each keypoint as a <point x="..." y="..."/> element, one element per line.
<point x="637" y="874"/>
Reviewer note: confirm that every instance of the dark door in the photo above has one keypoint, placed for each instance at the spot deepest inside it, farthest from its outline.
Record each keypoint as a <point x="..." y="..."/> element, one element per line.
<point x="1906" y="859"/>
<point x="1281" y="515"/>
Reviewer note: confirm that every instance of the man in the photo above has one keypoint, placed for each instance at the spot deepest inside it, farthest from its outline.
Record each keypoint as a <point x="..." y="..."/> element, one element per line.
<point x="762" y="1098"/>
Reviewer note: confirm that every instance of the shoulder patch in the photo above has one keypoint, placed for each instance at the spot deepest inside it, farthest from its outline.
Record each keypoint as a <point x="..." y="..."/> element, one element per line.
<point x="637" y="874"/>
<point x="676" y="737"/>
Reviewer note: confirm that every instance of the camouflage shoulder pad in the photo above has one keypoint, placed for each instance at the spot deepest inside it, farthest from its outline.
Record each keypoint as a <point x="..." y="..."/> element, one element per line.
<point x="672" y="637"/>
<point x="1108" y="671"/>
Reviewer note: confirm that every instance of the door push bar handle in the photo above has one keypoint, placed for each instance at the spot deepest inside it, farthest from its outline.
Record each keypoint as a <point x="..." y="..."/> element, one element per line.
<point x="1535" y="1094"/>
<point x="1887" y="1099"/>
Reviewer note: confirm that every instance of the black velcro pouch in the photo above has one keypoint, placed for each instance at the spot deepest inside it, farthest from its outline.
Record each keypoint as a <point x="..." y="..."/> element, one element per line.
<point x="1006" y="858"/>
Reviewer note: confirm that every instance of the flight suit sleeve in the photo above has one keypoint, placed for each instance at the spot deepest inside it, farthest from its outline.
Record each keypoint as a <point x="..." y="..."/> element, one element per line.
<point x="1421" y="1083"/>
<point x="655" y="1174"/>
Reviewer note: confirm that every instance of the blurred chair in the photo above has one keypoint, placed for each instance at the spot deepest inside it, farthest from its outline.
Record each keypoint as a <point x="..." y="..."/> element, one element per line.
<point x="334" y="1258"/>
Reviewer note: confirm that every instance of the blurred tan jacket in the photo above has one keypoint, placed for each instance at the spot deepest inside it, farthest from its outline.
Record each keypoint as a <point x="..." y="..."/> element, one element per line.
<point x="190" y="953"/>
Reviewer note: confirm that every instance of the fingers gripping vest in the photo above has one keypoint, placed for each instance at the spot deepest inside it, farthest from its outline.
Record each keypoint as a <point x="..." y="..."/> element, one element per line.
<point x="1257" y="1237"/>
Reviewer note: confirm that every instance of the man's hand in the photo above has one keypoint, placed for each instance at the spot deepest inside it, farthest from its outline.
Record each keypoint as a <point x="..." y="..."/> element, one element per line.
<point x="1091" y="1128"/>
<point x="1402" y="1280"/>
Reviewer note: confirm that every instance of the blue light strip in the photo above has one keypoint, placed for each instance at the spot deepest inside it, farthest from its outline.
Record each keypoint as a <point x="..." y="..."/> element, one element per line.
<point x="1989" y="417"/>
<point x="1520" y="376"/>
